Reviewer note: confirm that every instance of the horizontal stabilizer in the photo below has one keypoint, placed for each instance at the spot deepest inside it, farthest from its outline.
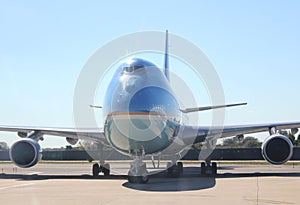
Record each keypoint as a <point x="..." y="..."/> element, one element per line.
<point x="95" y="106"/>
<point x="196" y="109"/>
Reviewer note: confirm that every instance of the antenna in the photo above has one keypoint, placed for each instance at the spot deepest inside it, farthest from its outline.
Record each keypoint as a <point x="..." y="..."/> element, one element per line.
<point x="166" y="67"/>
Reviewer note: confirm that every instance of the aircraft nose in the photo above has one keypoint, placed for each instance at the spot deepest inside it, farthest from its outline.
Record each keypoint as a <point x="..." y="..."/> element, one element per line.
<point x="131" y="84"/>
<point x="154" y="99"/>
<point x="147" y="99"/>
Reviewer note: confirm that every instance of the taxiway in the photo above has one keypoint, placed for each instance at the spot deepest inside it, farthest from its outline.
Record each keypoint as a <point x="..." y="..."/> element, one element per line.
<point x="71" y="183"/>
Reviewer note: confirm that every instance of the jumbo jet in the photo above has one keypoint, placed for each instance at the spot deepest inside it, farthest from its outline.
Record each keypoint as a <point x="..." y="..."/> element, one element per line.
<point x="143" y="117"/>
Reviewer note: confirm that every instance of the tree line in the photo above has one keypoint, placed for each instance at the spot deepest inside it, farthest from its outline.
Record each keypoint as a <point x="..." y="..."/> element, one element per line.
<point x="251" y="142"/>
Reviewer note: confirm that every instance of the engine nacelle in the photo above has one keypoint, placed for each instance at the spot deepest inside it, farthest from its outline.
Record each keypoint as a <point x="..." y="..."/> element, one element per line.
<point x="277" y="149"/>
<point x="25" y="153"/>
<point x="71" y="141"/>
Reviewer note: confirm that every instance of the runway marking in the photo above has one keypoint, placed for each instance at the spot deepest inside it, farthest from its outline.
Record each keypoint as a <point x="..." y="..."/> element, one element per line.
<point x="16" y="186"/>
<point x="33" y="173"/>
<point x="267" y="201"/>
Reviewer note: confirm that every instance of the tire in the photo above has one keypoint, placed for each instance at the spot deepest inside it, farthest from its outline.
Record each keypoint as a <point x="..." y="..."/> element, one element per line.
<point x="170" y="168"/>
<point x="214" y="168"/>
<point x="145" y="179"/>
<point x="203" y="168"/>
<point x="180" y="167"/>
<point x="106" y="169"/>
<point x="96" y="170"/>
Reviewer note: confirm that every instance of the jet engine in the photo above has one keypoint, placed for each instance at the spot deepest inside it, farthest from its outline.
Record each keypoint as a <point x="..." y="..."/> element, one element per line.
<point x="25" y="153"/>
<point x="71" y="141"/>
<point x="277" y="149"/>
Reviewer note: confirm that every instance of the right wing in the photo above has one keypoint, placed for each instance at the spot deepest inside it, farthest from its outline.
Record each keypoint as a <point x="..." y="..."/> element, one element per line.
<point x="195" y="134"/>
<point x="197" y="109"/>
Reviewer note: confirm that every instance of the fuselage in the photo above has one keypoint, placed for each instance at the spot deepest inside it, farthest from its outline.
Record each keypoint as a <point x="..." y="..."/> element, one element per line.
<point x="141" y="111"/>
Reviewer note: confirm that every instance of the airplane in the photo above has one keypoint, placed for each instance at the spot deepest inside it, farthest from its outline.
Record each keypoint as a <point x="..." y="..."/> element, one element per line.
<point x="143" y="118"/>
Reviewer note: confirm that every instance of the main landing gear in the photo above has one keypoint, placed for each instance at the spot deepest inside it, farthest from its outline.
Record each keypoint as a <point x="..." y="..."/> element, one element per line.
<point x="104" y="168"/>
<point x="101" y="166"/>
<point x="208" y="168"/>
<point x="175" y="168"/>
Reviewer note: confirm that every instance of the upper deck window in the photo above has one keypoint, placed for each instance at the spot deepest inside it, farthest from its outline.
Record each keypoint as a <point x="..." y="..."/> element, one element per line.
<point x="135" y="64"/>
<point x="132" y="68"/>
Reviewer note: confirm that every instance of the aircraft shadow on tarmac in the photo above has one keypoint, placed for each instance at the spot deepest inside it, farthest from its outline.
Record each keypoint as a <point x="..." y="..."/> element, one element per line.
<point x="189" y="180"/>
<point x="171" y="184"/>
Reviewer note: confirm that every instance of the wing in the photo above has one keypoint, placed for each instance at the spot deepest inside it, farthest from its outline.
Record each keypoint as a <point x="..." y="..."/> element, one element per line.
<point x="197" y="109"/>
<point x="96" y="135"/>
<point x="196" y="134"/>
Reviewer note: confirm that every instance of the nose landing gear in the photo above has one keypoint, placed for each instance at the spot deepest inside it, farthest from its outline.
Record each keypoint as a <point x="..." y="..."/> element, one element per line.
<point x="138" y="173"/>
<point x="175" y="168"/>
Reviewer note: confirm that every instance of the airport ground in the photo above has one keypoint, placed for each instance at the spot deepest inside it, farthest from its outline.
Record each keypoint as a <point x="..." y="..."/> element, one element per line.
<point x="71" y="183"/>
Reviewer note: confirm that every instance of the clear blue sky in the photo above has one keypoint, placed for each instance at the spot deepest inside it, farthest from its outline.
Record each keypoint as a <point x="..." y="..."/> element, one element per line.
<point x="254" y="46"/>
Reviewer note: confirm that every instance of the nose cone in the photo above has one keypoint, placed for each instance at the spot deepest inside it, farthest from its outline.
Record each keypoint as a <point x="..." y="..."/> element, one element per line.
<point x="154" y="99"/>
<point x="140" y="86"/>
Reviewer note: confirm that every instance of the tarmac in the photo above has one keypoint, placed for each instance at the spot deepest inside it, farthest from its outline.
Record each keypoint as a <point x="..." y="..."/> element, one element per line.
<point x="72" y="183"/>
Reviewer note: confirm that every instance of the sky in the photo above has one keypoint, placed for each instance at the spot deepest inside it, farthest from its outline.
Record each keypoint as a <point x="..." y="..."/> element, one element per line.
<point x="253" y="45"/>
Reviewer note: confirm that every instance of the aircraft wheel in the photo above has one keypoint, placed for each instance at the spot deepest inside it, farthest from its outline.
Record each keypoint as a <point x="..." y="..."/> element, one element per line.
<point x="203" y="168"/>
<point x="214" y="168"/>
<point x="170" y="168"/>
<point x="145" y="179"/>
<point x="96" y="170"/>
<point x="180" y="167"/>
<point x="106" y="169"/>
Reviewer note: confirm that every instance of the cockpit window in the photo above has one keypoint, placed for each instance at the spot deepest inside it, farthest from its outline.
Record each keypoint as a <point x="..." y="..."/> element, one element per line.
<point x="135" y="64"/>
<point x="129" y="69"/>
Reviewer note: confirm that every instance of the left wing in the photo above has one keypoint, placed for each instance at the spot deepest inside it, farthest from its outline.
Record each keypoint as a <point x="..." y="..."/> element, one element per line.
<point x="96" y="135"/>
<point x="196" y="134"/>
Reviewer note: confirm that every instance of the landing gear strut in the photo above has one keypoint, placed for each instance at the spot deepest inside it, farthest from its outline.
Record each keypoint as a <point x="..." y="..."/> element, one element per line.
<point x="208" y="168"/>
<point x="104" y="168"/>
<point x="138" y="173"/>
